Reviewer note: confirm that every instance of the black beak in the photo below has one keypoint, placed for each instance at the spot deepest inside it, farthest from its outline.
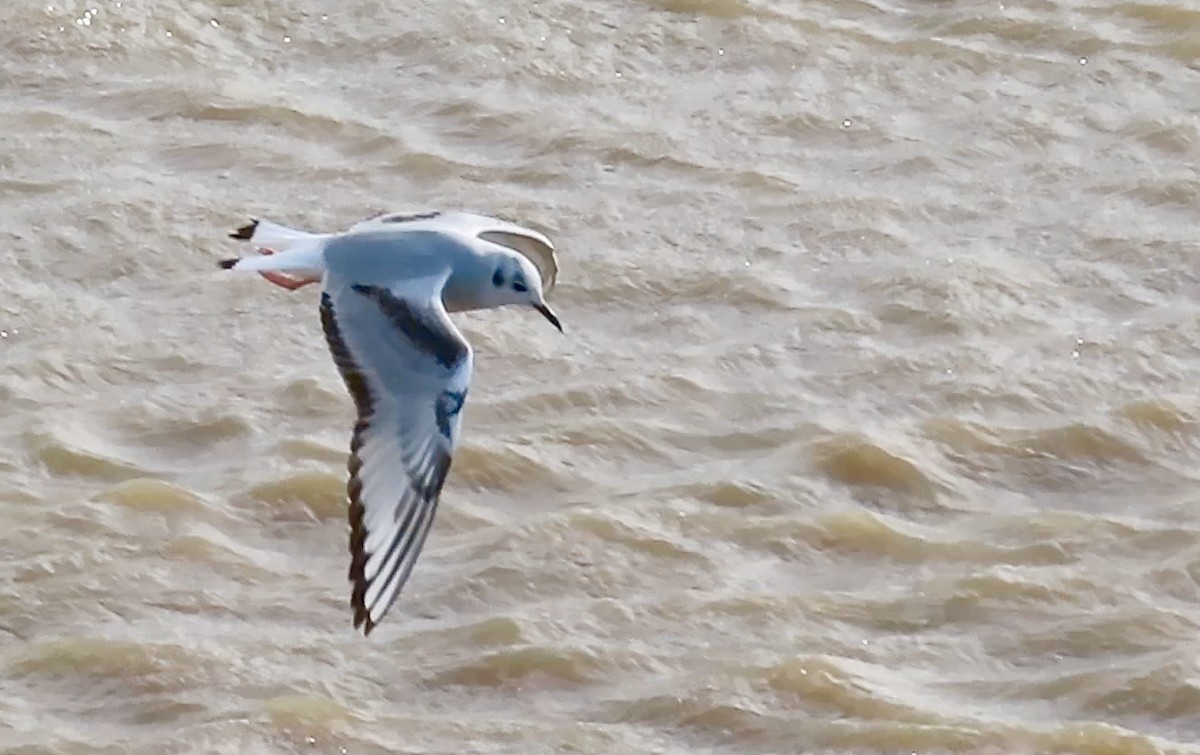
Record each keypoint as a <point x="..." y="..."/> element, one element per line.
<point x="549" y="315"/>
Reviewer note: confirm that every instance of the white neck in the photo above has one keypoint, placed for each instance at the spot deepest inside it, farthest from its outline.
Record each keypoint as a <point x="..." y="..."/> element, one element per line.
<point x="468" y="286"/>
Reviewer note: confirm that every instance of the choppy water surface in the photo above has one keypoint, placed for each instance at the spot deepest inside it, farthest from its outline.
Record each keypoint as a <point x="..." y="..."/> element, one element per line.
<point x="875" y="429"/>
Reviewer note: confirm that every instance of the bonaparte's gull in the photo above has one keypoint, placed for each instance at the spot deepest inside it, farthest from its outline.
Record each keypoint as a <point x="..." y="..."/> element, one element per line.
<point x="388" y="284"/>
<point x="270" y="237"/>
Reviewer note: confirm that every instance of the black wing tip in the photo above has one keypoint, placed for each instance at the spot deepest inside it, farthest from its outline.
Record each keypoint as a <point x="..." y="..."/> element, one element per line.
<point x="366" y="624"/>
<point x="246" y="232"/>
<point x="358" y="559"/>
<point x="228" y="264"/>
<point x="362" y="617"/>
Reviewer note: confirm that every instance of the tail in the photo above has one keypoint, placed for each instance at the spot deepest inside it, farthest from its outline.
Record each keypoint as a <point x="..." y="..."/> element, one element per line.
<point x="263" y="234"/>
<point x="302" y="257"/>
<point x="285" y="249"/>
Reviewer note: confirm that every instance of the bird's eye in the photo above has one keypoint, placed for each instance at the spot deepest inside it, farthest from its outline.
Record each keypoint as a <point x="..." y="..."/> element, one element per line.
<point x="519" y="285"/>
<point x="498" y="278"/>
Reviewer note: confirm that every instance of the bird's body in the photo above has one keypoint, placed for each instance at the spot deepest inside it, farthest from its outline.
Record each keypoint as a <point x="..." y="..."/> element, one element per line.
<point x="273" y="238"/>
<point x="387" y="288"/>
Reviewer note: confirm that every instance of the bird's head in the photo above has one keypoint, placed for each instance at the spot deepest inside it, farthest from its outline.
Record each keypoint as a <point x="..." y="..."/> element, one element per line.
<point x="516" y="280"/>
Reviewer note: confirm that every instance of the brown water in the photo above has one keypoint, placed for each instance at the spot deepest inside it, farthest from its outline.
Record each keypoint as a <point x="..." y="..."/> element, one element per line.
<point x="875" y="428"/>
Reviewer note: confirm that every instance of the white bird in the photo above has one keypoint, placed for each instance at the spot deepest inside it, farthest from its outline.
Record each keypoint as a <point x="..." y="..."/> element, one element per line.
<point x="268" y="237"/>
<point x="387" y="286"/>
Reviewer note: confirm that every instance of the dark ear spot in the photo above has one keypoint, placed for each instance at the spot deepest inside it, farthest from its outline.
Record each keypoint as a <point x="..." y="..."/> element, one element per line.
<point x="498" y="278"/>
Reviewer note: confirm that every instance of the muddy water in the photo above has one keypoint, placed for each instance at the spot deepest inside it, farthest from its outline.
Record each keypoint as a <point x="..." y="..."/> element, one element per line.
<point x="875" y="428"/>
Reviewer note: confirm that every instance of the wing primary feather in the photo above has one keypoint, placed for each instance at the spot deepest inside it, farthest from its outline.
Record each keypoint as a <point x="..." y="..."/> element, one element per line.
<point x="386" y="556"/>
<point x="364" y="404"/>
<point x="400" y="570"/>
<point x="409" y="538"/>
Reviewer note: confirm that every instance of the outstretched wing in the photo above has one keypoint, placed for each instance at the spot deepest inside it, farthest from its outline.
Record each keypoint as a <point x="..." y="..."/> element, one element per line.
<point x="408" y="369"/>
<point x="527" y="241"/>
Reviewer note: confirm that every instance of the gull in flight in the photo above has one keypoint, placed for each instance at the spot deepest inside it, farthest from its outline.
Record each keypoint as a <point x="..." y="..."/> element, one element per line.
<point x="388" y="284"/>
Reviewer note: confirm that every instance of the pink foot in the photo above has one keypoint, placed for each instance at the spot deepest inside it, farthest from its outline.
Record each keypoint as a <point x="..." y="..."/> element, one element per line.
<point x="284" y="281"/>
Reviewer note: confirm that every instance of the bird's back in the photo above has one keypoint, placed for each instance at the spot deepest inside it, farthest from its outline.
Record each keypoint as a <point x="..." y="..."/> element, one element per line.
<point x="387" y="256"/>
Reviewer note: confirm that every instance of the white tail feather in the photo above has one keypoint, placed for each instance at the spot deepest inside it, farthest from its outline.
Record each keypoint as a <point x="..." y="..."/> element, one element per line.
<point x="269" y="235"/>
<point x="308" y="257"/>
